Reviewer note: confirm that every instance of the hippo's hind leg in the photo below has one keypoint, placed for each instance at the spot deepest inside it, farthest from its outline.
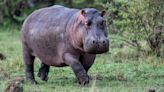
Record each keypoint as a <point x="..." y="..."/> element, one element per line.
<point x="43" y="71"/>
<point x="29" y="64"/>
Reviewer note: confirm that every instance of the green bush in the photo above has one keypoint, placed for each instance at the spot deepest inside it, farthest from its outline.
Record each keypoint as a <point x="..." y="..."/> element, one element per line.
<point x="136" y="21"/>
<point x="10" y="9"/>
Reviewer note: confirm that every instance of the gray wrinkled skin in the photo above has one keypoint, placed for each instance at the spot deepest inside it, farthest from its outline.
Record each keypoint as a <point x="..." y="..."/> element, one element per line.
<point x="61" y="36"/>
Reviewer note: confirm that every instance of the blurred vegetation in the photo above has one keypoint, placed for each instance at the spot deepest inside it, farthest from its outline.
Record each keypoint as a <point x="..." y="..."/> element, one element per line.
<point x="135" y="21"/>
<point x="18" y="10"/>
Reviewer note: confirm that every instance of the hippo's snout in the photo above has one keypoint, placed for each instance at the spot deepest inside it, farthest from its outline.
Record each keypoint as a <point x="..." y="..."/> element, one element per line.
<point x="97" y="46"/>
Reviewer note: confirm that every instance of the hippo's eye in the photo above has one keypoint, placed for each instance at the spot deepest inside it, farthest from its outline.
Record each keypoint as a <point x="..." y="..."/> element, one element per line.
<point x="102" y="23"/>
<point x="88" y="23"/>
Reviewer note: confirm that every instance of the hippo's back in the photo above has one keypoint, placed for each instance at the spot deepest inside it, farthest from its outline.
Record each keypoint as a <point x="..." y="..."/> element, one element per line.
<point x="43" y="31"/>
<point x="47" y="17"/>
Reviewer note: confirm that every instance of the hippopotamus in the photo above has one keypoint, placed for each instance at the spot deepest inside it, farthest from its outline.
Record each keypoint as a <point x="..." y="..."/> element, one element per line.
<point x="61" y="36"/>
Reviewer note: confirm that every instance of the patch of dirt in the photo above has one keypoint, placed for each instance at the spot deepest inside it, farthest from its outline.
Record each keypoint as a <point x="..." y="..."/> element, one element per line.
<point x="15" y="85"/>
<point x="97" y="77"/>
<point x="117" y="77"/>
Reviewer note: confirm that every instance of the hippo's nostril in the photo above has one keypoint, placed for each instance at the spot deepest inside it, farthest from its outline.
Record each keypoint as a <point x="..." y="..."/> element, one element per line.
<point x="93" y="42"/>
<point x="103" y="42"/>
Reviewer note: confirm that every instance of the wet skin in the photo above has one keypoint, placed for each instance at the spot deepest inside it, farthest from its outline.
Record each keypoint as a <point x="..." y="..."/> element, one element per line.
<point x="61" y="36"/>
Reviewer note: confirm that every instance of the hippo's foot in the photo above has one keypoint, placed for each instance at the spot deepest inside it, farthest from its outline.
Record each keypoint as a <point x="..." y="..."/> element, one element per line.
<point x="30" y="74"/>
<point x="33" y="82"/>
<point x="90" y="78"/>
<point x="43" y="72"/>
<point x="83" y="80"/>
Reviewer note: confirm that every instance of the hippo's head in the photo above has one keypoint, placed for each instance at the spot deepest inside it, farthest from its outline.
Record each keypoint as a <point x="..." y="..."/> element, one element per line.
<point x="94" y="30"/>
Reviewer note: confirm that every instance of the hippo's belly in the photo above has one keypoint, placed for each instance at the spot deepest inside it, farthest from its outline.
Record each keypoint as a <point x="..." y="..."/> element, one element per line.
<point x="49" y="47"/>
<point x="50" y="57"/>
<point x="53" y="61"/>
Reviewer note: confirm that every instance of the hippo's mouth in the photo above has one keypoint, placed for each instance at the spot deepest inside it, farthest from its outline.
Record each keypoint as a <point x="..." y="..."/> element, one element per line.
<point x="96" y="50"/>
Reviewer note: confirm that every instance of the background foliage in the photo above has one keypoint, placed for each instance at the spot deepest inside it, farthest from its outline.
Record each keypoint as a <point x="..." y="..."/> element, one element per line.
<point x="138" y="20"/>
<point x="134" y="20"/>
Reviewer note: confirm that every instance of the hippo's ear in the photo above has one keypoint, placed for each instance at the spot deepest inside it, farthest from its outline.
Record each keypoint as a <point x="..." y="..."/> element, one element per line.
<point x="83" y="12"/>
<point x="103" y="13"/>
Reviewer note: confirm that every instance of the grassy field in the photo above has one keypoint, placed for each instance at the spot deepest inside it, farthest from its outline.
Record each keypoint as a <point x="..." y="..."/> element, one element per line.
<point x="122" y="69"/>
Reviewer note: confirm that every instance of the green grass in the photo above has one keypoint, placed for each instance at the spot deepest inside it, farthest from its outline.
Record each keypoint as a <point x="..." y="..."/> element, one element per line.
<point x="120" y="70"/>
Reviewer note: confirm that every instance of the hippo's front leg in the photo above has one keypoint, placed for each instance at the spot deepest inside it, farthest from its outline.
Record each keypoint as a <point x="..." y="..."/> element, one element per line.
<point x="77" y="67"/>
<point x="43" y="71"/>
<point x="87" y="61"/>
